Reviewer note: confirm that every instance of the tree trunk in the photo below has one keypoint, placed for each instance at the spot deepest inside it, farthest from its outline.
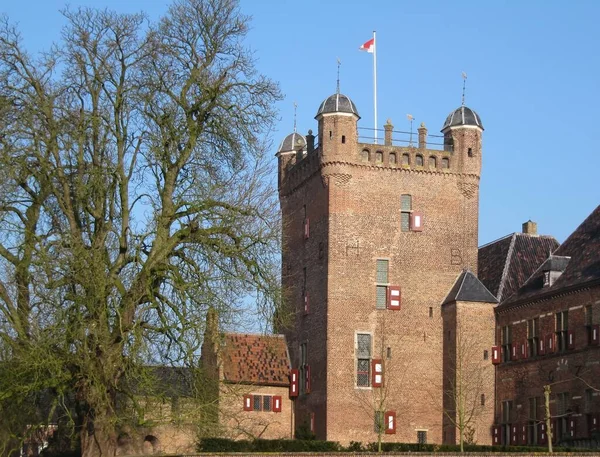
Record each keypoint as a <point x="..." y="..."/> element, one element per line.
<point x="97" y="439"/>
<point x="547" y="417"/>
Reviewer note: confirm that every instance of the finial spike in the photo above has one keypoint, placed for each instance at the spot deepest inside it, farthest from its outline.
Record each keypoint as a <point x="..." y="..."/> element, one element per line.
<point x="464" y="76"/>
<point x="295" y="109"/>
<point x="339" y="63"/>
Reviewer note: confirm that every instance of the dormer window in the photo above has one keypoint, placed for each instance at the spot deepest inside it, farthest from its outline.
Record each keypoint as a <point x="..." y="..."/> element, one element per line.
<point x="553" y="268"/>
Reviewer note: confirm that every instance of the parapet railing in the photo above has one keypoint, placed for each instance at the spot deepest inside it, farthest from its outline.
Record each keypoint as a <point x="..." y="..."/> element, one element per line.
<point x="402" y="138"/>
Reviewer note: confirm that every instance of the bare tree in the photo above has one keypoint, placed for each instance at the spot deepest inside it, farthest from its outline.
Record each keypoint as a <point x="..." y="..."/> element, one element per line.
<point x="134" y="194"/>
<point x="394" y="370"/>
<point x="468" y="375"/>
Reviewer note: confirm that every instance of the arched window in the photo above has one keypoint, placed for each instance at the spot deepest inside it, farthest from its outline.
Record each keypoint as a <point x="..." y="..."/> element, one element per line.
<point x="364" y="155"/>
<point x="379" y="157"/>
<point x="405" y="159"/>
<point x="432" y="162"/>
<point x="419" y="160"/>
<point x="445" y="162"/>
<point x="393" y="158"/>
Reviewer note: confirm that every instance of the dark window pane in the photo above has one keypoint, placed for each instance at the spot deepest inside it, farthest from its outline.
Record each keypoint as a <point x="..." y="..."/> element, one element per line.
<point x="267" y="403"/>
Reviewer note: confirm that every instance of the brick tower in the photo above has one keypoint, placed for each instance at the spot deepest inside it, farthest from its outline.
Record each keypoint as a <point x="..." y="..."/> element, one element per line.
<point x="374" y="238"/>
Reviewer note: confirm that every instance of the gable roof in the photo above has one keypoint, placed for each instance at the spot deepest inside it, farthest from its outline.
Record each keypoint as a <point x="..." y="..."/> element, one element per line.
<point x="468" y="288"/>
<point x="505" y="264"/>
<point x="255" y="359"/>
<point x="583" y="248"/>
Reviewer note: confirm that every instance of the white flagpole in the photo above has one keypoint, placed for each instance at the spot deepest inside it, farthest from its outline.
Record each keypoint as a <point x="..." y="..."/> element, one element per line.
<point x="375" y="81"/>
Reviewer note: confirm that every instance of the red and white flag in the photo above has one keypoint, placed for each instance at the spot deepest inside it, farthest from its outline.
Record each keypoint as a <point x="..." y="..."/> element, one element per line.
<point x="369" y="46"/>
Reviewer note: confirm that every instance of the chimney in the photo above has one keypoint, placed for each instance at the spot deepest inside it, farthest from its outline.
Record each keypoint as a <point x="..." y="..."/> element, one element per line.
<point x="422" y="136"/>
<point x="530" y="227"/>
<point x="310" y="142"/>
<point x="388" y="127"/>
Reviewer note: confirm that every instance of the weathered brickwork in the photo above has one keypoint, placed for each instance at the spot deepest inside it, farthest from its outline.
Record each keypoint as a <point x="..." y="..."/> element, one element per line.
<point x="572" y="371"/>
<point x="349" y="195"/>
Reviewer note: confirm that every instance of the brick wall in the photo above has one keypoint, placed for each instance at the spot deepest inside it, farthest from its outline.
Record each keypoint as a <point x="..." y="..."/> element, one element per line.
<point x="572" y="371"/>
<point x="352" y="201"/>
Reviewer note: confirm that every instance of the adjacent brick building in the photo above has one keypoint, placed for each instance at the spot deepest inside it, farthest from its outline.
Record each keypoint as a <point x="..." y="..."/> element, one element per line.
<point x="548" y="335"/>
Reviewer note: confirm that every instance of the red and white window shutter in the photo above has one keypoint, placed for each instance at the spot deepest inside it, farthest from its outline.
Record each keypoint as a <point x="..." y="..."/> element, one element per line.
<point x="247" y="402"/>
<point x="294" y="383"/>
<point x="312" y="422"/>
<point x="523" y="354"/>
<point x="276" y="403"/>
<point x="595" y="335"/>
<point x="377" y="372"/>
<point x="307" y="379"/>
<point x="572" y="427"/>
<point x="541" y="347"/>
<point x="306" y="228"/>
<point x="514" y="354"/>
<point x="570" y="339"/>
<point x="495" y="355"/>
<point x="416" y="221"/>
<point x="496" y="435"/>
<point x="394" y="297"/>
<point x="306" y="303"/>
<point x="389" y="419"/>
<point x="550" y="343"/>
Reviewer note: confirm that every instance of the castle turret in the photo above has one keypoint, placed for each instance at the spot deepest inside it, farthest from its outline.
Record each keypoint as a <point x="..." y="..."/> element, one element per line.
<point x="462" y="136"/>
<point x="291" y="150"/>
<point x="338" y="134"/>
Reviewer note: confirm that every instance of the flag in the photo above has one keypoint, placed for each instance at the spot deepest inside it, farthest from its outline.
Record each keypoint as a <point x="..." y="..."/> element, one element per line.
<point x="369" y="46"/>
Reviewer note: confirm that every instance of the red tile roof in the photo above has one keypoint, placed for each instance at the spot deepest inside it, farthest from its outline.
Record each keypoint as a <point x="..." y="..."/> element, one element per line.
<point x="583" y="247"/>
<point x="505" y="264"/>
<point x="255" y="359"/>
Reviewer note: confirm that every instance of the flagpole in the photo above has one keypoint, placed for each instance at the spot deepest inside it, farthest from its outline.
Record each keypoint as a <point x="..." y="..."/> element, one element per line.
<point x="375" y="81"/>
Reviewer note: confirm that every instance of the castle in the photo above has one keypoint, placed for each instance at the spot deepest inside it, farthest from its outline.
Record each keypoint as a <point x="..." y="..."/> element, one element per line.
<point x="390" y="328"/>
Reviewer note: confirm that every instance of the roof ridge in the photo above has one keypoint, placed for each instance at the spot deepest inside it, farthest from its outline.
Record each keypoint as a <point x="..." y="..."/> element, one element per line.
<point x="495" y="241"/>
<point x="511" y="249"/>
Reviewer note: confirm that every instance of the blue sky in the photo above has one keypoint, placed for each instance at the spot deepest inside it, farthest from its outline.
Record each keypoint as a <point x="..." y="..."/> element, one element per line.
<point x="533" y="76"/>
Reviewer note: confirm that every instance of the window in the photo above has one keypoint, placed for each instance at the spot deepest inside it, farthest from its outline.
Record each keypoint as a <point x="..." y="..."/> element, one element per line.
<point x="482" y="399"/>
<point x="470" y="152"/>
<point x="379" y="157"/>
<point x="588" y="323"/>
<point x="405" y="210"/>
<point x="506" y="343"/>
<point x="419" y="160"/>
<point x="422" y="436"/>
<point x="533" y="337"/>
<point x="507" y="413"/>
<point x="589" y="400"/>
<point x="343" y="139"/>
<point x="563" y="411"/>
<point x="485" y="354"/>
<point x="405" y="159"/>
<point x="389" y="352"/>
<point x="257" y="406"/>
<point x="431" y="311"/>
<point x="382" y="282"/>
<point x="330" y="134"/>
<point x="266" y="403"/>
<point x="534" y="419"/>
<point x="445" y="162"/>
<point x="363" y="359"/>
<point x="392" y="158"/>
<point x="304" y="369"/>
<point x="364" y="155"/>
<point x="432" y="162"/>
<point x="562" y="325"/>
<point x="378" y="426"/>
